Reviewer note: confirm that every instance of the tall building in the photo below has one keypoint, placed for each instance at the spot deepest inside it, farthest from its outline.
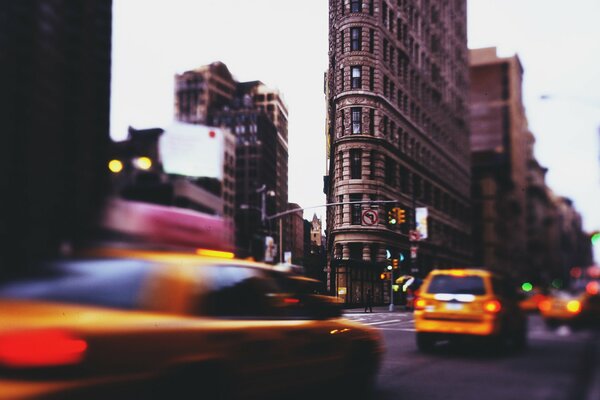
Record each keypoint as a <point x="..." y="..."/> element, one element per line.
<point x="295" y="221"/>
<point x="520" y="227"/>
<point x="499" y="143"/>
<point x="56" y="62"/>
<point x="396" y="89"/>
<point x="257" y="116"/>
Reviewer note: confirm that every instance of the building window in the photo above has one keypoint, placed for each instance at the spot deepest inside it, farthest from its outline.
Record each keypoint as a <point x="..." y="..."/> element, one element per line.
<point x="385" y="49"/>
<point x="356" y="209"/>
<point x="372" y="78"/>
<point x="356" y="119"/>
<point x="372" y="40"/>
<point x="356" y="77"/>
<point x="373" y="161"/>
<point x="355" y="164"/>
<point x="372" y="121"/>
<point x="355" y="39"/>
<point x="356" y="251"/>
<point x="390" y="171"/>
<point x="343" y="40"/>
<point x="355" y="6"/>
<point x="386" y="84"/>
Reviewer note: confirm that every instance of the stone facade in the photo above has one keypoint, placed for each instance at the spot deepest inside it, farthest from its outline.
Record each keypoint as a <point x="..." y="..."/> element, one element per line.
<point x="397" y="131"/>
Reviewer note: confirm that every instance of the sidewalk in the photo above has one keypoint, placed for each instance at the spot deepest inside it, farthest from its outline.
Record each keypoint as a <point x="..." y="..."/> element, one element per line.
<point x="593" y="390"/>
<point x="377" y="309"/>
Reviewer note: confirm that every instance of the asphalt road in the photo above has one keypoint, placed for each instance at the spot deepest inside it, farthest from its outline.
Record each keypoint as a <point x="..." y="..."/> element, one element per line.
<point x="558" y="365"/>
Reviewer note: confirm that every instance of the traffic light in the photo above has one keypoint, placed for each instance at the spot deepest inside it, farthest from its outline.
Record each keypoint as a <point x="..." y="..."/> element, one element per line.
<point x="401" y="215"/>
<point x="527" y="287"/>
<point x="393" y="216"/>
<point x="384" y="275"/>
<point x="595" y="238"/>
<point x="395" y="263"/>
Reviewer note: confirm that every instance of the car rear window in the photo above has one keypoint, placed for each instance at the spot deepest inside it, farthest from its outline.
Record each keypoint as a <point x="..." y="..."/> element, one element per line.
<point x="114" y="283"/>
<point x="454" y="284"/>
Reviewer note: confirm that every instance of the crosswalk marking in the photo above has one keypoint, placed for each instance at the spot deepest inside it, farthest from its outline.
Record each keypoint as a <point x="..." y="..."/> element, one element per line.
<point x="384" y="322"/>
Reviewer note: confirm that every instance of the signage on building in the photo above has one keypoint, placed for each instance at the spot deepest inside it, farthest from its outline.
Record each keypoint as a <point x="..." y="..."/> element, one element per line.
<point x="342" y="290"/>
<point x="369" y="217"/>
<point x="269" y="249"/>
<point x="181" y="144"/>
<point x="287" y="257"/>
<point x="421" y="222"/>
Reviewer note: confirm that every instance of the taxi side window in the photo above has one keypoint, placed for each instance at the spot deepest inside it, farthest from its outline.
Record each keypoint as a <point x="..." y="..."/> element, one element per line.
<point x="237" y="291"/>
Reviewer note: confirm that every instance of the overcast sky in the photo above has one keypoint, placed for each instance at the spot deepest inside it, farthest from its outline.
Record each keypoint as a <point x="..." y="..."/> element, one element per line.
<point x="284" y="44"/>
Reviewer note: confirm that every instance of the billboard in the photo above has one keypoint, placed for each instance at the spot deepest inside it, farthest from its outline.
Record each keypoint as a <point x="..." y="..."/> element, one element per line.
<point x="193" y="150"/>
<point x="421" y="222"/>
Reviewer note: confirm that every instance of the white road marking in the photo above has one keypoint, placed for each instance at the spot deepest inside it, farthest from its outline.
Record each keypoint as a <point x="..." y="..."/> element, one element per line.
<point x="384" y="322"/>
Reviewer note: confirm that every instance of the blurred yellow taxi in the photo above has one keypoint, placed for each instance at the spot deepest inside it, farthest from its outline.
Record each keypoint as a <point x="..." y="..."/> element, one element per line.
<point x="127" y="324"/>
<point x="456" y="303"/>
<point x="578" y="307"/>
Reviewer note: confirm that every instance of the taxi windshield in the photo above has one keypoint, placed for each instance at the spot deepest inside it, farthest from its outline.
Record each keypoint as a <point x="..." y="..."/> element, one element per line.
<point x="456" y="285"/>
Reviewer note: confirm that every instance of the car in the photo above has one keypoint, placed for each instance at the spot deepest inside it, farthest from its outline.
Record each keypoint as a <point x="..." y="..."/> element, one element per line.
<point x="576" y="307"/>
<point x="123" y="323"/>
<point x="468" y="303"/>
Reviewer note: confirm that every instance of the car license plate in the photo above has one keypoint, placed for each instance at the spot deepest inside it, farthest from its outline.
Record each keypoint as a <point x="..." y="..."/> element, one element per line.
<point x="454" y="306"/>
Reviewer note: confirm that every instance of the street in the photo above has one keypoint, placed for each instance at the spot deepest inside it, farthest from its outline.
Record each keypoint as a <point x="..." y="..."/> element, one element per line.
<point x="561" y="364"/>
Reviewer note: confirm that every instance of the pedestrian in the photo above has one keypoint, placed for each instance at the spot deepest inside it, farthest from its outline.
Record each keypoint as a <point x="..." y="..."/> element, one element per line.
<point x="369" y="301"/>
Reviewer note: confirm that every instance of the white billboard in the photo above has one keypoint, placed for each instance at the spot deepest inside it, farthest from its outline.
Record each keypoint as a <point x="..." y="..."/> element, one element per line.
<point x="193" y="150"/>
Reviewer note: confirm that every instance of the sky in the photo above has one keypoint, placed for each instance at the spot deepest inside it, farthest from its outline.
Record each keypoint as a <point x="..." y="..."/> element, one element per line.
<point x="285" y="46"/>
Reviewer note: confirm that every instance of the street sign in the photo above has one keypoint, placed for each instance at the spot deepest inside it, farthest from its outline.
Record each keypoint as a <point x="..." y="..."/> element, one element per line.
<point x="369" y="217"/>
<point x="413" y="251"/>
<point x="414" y="235"/>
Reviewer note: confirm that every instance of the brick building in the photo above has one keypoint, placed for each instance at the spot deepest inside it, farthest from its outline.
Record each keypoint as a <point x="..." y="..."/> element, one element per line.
<point x="397" y="130"/>
<point x="257" y="116"/>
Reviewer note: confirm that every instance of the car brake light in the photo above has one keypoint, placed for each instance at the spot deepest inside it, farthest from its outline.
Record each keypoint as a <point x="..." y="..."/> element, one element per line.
<point x="574" y="306"/>
<point x="545" y="305"/>
<point x="420" y="303"/>
<point x="40" y="348"/>
<point x="592" y="287"/>
<point x="291" y="300"/>
<point x="492" y="306"/>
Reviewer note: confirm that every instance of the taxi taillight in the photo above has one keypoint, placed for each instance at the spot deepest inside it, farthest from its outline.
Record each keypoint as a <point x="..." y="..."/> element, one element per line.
<point x="545" y="305"/>
<point x="492" y="306"/>
<point x="420" y="303"/>
<point x="574" y="306"/>
<point x="40" y="348"/>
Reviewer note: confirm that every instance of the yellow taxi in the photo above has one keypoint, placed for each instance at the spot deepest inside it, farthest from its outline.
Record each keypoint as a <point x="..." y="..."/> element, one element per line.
<point x="531" y="301"/>
<point x="136" y="324"/>
<point x="458" y="303"/>
<point x="578" y="307"/>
